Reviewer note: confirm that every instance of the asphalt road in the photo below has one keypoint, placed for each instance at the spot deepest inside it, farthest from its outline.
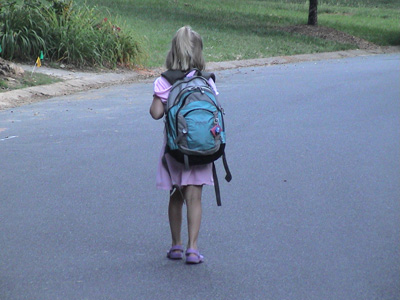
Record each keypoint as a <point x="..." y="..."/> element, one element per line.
<point x="313" y="210"/>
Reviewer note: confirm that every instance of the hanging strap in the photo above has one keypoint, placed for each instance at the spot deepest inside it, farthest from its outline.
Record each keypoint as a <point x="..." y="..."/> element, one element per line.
<point x="228" y="176"/>
<point x="216" y="185"/>
<point x="186" y="161"/>
<point x="175" y="187"/>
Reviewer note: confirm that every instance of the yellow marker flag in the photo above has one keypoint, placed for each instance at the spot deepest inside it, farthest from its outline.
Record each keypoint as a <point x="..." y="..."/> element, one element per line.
<point x="38" y="62"/>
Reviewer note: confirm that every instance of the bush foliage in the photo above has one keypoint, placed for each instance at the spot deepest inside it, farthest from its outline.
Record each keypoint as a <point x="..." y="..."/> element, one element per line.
<point x="77" y="35"/>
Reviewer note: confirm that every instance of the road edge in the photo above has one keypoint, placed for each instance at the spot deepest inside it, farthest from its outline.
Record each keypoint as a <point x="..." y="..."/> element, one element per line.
<point x="82" y="81"/>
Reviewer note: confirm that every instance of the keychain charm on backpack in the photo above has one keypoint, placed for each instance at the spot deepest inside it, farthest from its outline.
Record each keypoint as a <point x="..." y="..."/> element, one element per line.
<point x="216" y="130"/>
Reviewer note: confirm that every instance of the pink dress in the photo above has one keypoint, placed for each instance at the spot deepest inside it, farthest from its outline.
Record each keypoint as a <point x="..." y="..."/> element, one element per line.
<point x="196" y="175"/>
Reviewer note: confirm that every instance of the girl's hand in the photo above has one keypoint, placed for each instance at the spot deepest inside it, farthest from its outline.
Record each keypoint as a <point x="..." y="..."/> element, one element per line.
<point x="157" y="108"/>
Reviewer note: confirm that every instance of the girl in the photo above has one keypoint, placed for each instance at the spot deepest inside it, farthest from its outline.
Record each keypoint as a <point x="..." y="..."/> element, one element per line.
<point x="185" y="54"/>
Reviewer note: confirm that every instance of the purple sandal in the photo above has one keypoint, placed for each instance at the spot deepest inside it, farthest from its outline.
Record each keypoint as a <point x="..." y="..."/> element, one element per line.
<point x="176" y="252"/>
<point x="193" y="256"/>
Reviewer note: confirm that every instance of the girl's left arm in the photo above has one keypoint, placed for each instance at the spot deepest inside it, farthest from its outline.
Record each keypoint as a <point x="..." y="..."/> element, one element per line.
<point x="157" y="108"/>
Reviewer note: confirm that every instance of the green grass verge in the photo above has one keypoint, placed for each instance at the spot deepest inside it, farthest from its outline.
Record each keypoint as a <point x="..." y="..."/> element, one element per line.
<point x="242" y="29"/>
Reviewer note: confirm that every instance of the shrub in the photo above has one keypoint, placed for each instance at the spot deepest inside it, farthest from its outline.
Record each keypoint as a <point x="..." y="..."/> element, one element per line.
<point x="65" y="33"/>
<point x="21" y="30"/>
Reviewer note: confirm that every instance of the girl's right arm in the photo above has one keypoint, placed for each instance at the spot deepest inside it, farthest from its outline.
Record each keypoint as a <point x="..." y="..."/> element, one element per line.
<point x="157" y="108"/>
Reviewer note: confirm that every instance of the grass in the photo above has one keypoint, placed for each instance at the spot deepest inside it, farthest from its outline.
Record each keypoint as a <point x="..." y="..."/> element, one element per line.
<point x="379" y="25"/>
<point x="27" y="80"/>
<point x="231" y="29"/>
<point x="243" y="29"/>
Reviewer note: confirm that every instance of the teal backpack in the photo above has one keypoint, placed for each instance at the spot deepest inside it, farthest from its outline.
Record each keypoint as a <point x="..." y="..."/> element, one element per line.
<point x="194" y="122"/>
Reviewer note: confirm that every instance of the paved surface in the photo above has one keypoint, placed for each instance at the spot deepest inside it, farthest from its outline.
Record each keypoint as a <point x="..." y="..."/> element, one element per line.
<point x="312" y="212"/>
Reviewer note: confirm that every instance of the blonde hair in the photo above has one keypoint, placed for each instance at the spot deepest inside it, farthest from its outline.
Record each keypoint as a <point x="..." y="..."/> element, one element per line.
<point x="186" y="51"/>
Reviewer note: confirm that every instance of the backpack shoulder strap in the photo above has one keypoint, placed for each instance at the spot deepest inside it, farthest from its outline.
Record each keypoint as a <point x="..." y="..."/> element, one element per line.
<point x="207" y="75"/>
<point x="173" y="76"/>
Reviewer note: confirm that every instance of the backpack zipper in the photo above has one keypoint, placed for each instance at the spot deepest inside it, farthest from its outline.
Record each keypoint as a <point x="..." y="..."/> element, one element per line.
<point x="192" y="110"/>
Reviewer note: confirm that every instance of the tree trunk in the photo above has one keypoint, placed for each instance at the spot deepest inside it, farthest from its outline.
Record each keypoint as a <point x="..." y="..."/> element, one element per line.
<point x="312" y="13"/>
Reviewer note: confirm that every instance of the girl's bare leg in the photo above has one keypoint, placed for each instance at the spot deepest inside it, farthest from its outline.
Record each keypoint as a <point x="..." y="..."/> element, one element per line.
<point x="175" y="217"/>
<point x="192" y="195"/>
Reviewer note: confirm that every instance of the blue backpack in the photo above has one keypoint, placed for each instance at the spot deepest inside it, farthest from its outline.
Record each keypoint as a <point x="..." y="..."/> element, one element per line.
<point x="195" y="123"/>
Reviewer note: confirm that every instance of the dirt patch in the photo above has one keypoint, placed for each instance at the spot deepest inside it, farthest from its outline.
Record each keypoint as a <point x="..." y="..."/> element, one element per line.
<point x="8" y="68"/>
<point x="330" y="34"/>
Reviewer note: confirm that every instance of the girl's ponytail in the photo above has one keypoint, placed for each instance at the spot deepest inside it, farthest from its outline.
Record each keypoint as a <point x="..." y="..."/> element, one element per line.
<point x="186" y="51"/>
